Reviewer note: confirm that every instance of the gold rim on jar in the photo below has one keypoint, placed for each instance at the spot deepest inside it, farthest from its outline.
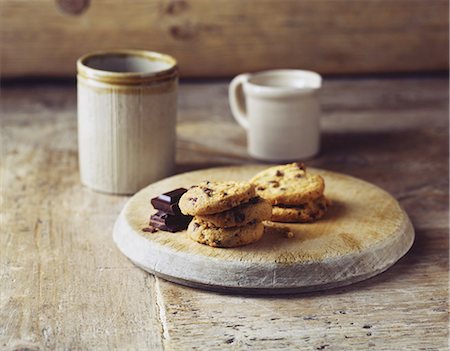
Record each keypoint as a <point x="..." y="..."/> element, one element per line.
<point x="128" y="78"/>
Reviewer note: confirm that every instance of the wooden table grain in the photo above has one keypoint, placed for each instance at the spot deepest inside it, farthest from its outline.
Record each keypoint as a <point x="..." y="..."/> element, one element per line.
<point x="64" y="285"/>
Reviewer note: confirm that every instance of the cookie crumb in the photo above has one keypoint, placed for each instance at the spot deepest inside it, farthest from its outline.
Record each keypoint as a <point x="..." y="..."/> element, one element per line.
<point x="279" y="229"/>
<point x="150" y="229"/>
<point x="289" y="235"/>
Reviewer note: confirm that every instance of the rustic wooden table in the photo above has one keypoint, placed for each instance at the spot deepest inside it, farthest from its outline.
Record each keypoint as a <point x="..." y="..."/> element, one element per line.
<point x="64" y="285"/>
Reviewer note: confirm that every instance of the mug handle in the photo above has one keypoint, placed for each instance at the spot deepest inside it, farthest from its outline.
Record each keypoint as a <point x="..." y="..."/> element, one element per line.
<point x="236" y="98"/>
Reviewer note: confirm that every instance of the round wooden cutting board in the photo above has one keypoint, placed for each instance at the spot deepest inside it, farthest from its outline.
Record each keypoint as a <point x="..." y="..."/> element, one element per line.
<point x="363" y="234"/>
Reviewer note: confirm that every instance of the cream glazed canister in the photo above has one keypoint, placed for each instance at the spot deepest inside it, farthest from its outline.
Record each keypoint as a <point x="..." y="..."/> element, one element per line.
<point x="127" y="108"/>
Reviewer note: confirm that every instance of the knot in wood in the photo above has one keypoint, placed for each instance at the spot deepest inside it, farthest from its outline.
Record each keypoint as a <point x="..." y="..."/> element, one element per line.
<point x="73" y="7"/>
<point x="177" y="6"/>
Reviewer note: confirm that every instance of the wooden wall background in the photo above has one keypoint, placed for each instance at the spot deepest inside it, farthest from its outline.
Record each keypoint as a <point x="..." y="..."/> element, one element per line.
<point x="226" y="37"/>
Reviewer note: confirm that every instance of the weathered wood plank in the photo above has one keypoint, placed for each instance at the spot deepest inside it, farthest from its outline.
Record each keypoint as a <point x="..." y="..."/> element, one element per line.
<point x="405" y="308"/>
<point x="64" y="284"/>
<point x="226" y="37"/>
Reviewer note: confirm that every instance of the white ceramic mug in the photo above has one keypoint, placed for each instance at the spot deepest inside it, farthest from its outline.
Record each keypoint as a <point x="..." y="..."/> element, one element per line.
<point x="281" y="112"/>
<point x="127" y="108"/>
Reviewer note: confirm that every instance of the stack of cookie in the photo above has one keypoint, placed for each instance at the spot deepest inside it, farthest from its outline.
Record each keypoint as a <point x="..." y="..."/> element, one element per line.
<point x="295" y="194"/>
<point x="226" y="214"/>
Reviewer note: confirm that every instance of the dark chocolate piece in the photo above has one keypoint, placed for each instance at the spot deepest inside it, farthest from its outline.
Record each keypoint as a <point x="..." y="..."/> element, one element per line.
<point x="168" y="222"/>
<point x="239" y="217"/>
<point x="298" y="206"/>
<point x="168" y="202"/>
<point x="254" y="200"/>
<point x="275" y="183"/>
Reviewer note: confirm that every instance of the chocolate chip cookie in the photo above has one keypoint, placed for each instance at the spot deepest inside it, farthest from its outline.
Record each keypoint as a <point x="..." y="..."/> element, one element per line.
<point x="225" y="237"/>
<point x="289" y="184"/>
<point x="255" y="210"/>
<point x="213" y="197"/>
<point x="302" y="213"/>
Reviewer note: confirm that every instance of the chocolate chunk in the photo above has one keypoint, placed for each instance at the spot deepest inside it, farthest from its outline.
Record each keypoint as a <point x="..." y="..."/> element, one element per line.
<point x="279" y="173"/>
<point x="298" y="206"/>
<point x="275" y="183"/>
<point x="168" y="222"/>
<point x="239" y="217"/>
<point x="168" y="202"/>
<point x="298" y="175"/>
<point x="260" y="188"/>
<point x="254" y="200"/>
<point x="300" y="165"/>
<point x="208" y="191"/>
<point x="193" y="199"/>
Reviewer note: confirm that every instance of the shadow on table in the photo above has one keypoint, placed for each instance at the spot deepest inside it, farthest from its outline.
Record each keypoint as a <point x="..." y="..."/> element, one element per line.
<point x="349" y="151"/>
